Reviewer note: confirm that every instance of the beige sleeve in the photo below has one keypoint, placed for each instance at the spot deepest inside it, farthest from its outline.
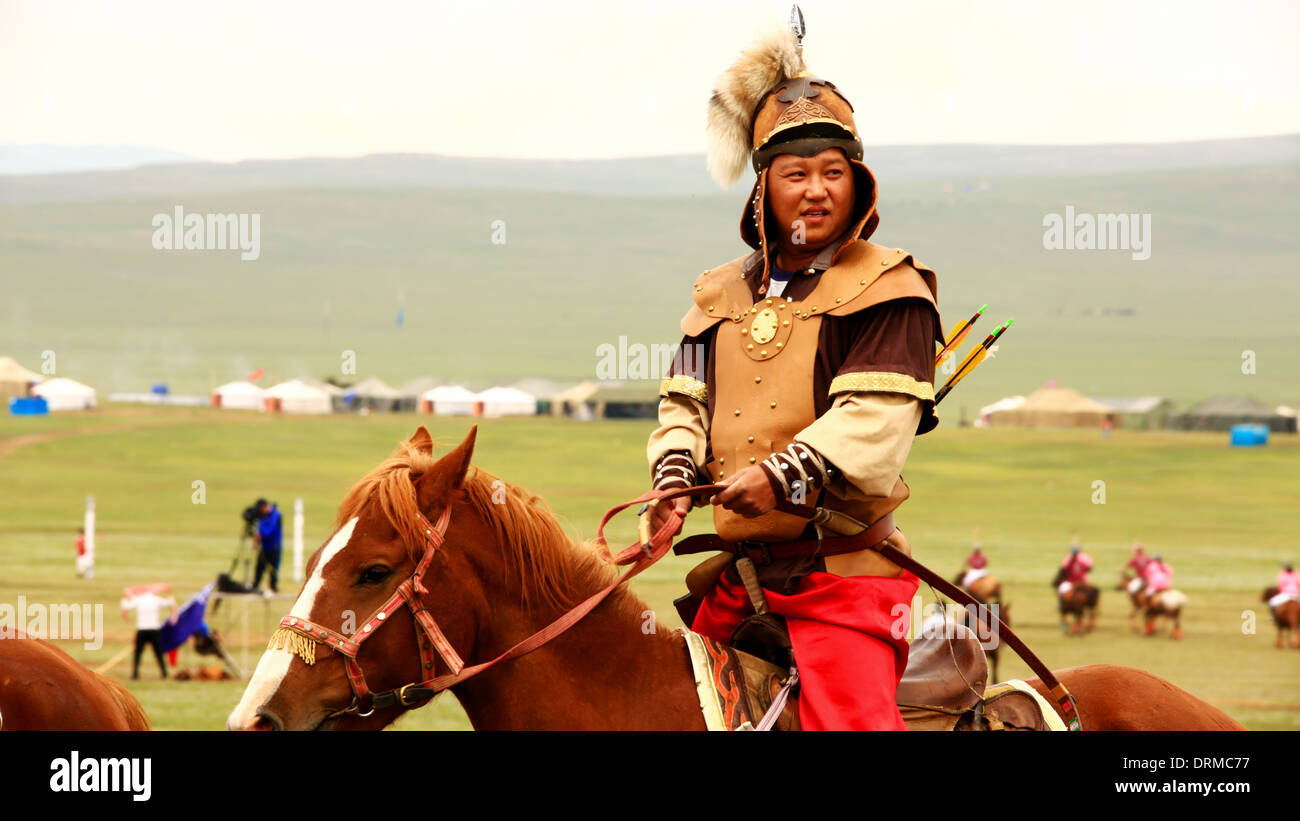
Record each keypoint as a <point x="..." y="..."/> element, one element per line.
<point x="683" y="425"/>
<point x="867" y="437"/>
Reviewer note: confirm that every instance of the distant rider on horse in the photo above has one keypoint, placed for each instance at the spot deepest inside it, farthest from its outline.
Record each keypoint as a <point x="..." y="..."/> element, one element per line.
<point x="1288" y="586"/>
<point x="1075" y="567"/>
<point x="1159" y="577"/>
<point x="1135" y="569"/>
<point x="976" y="567"/>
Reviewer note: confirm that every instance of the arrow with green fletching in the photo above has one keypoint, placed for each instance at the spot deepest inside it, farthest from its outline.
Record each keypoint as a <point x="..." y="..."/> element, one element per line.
<point x="958" y="336"/>
<point x="972" y="360"/>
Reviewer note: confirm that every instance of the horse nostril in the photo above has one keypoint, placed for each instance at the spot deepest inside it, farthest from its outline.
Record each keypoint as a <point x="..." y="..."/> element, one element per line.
<point x="265" y="721"/>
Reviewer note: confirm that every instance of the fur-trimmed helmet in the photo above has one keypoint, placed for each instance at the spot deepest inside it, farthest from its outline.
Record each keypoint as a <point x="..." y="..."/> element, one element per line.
<point x="768" y="103"/>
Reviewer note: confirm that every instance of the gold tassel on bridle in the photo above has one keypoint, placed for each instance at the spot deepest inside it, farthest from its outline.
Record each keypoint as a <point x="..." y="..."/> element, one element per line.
<point x="296" y="643"/>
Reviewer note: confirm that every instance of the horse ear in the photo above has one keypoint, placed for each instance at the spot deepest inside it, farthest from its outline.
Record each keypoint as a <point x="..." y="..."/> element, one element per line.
<point x="422" y="440"/>
<point x="447" y="474"/>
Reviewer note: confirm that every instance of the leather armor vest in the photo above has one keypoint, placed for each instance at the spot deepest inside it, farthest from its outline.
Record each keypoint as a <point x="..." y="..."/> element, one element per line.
<point x="764" y="358"/>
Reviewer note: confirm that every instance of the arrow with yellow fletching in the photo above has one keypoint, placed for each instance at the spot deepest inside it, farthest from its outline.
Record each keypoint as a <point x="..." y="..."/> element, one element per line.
<point x="958" y="336"/>
<point x="972" y="360"/>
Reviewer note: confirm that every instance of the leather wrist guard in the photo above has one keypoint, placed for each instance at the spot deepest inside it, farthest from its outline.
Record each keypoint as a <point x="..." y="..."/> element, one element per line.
<point x="798" y="470"/>
<point x="675" y="469"/>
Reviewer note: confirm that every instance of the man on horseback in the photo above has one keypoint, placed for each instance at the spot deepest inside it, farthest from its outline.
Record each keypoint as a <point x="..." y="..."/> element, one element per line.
<point x="1159" y="598"/>
<point x="976" y="567"/>
<point x="816" y="372"/>
<point x="1159" y="577"/>
<point x="1288" y="586"/>
<point x="1134" y="571"/>
<point x="1075" y="570"/>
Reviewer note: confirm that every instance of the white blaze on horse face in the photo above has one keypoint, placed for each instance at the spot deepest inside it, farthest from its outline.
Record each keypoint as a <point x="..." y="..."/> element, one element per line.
<point x="274" y="664"/>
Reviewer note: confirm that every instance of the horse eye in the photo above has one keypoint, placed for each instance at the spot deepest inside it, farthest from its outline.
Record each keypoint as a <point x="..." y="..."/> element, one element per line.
<point x="374" y="574"/>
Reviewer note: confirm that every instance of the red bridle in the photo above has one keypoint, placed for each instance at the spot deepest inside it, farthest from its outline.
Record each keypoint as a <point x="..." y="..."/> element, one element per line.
<point x="408" y="593"/>
<point x="640" y="555"/>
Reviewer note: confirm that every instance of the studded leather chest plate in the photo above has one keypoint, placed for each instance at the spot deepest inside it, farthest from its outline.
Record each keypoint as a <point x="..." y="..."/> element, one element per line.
<point x="765" y="353"/>
<point x="764" y="396"/>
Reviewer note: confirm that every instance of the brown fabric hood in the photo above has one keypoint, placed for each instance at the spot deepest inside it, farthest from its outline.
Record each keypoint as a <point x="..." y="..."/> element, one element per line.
<point x="757" y="234"/>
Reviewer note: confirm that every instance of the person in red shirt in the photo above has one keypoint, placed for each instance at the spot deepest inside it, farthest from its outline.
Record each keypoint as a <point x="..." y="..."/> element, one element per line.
<point x="1135" y="570"/>
<point x="1076" y="567"/>
<point x="976" y="567"/>
<point x="85" y="570"/>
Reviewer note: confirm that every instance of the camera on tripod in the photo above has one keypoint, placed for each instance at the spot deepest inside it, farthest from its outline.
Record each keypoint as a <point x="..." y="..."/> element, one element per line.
<point x="250" y="515"/>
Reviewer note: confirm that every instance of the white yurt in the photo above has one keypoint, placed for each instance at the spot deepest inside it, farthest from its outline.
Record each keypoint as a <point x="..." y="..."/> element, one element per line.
<point x="507" y="402"/>
<point x="1003" y="404"/>
<point x="332" y="390"/>
<point x="411" y="390"/>
<point x="15" y="380"/>
<point x="375" y="394"/>
<point x="238" y="396"/>
<point x="296" y="396"/>
<point x="450" y="400"/>
<point x="65" y="394"/>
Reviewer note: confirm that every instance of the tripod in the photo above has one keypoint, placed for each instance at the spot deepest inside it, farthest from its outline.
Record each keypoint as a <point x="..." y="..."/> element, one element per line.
<point x="239" y="553"/>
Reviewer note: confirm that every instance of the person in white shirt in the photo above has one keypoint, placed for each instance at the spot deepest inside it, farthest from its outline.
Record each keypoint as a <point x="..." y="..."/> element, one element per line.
<point x="148" y="606"/>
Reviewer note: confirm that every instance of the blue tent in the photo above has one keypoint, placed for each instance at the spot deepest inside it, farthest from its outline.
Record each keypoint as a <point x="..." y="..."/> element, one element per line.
<point x="28" y="406"/>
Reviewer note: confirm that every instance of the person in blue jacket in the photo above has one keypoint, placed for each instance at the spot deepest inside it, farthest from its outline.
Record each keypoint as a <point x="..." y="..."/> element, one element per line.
<point x="268" y="541"/>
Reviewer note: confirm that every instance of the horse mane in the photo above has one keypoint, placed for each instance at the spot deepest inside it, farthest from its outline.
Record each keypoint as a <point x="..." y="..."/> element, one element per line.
<point x="136" y="718"/>
<point x="553" y="570"/>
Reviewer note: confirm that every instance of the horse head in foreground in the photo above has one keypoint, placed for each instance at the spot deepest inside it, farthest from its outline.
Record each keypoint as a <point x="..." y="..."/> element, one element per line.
<point x="464" y="566"/>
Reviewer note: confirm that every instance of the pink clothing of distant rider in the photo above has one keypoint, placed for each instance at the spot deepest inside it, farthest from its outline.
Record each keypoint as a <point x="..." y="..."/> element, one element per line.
<point x="1159" y="576"/>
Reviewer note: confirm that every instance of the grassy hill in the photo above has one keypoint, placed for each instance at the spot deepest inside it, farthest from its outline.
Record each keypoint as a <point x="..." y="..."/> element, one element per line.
<point x="676" y="175"/>
<point x="576" y="271"/>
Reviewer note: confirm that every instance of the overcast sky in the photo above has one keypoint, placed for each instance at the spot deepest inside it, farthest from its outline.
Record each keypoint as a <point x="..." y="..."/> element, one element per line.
<point x="234" y="80"/>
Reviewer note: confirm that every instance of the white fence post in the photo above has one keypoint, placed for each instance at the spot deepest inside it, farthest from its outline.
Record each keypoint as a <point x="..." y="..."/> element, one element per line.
<point x="297" y="539"/>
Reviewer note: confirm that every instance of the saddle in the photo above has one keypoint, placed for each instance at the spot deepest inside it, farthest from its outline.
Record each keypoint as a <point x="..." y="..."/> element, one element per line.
<point x="945" y="687"/>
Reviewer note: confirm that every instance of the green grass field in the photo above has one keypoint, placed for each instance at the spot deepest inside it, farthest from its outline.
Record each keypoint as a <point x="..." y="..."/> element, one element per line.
<point x="1224" y="517"/>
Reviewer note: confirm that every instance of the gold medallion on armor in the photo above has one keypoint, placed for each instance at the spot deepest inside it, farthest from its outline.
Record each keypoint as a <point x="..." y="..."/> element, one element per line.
<point x="764" y="326"/>
<point x="766" y="334"/>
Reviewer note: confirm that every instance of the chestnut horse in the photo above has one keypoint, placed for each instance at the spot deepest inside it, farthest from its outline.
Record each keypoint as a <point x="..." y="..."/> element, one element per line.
<point x="1079" y="602"/>
<point x="503" y="571"/>
<point x="1287" y="618"/>
<point x="43" y="688"/>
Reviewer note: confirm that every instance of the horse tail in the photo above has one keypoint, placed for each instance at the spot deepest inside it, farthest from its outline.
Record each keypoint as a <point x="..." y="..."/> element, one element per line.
<point x="135" y="716"/>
